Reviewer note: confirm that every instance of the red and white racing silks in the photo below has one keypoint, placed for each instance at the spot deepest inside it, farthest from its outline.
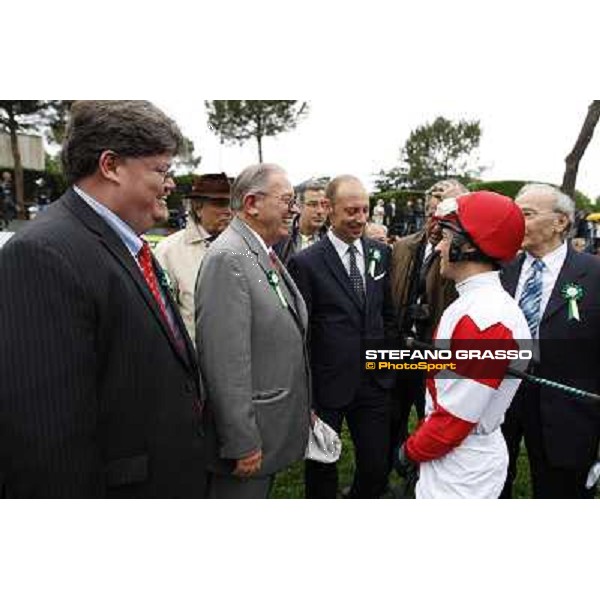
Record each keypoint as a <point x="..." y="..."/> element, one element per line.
<point x="459" y="445"/>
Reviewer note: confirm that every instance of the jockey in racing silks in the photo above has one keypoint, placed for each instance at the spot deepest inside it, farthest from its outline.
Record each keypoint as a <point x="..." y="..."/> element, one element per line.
<point x="459" y="449"/>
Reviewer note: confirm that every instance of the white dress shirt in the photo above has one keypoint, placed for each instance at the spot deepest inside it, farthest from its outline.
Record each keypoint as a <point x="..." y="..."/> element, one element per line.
<point x="134" y="244"/>
<point x="553" y="262"/>
<point x="428" y="251"/>
<point x="342" y="247"/>
<point x="260" y="240"/>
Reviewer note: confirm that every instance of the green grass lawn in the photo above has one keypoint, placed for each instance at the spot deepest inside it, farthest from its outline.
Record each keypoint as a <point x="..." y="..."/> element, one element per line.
<point x="290" y="483"/>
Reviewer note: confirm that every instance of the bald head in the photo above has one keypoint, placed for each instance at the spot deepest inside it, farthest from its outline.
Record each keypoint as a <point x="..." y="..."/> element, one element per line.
<point x="344" y="185"/>
<point x="349" y="203"/>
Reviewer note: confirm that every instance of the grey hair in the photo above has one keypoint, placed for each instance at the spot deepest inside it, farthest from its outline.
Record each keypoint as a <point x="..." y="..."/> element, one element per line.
<point x="315" y="185"/>
<point x="447" y="188"/>
<point x="251" y="180"/>
<point x="374" y="226"/>
<point x="562" y="203"/>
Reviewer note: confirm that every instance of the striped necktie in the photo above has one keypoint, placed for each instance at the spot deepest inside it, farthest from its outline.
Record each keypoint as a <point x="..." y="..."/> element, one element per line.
<point x="531" y="296"/>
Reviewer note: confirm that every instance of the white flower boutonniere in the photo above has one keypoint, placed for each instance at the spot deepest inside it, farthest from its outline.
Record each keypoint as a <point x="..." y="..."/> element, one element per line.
<point x="273" y="280"/>
<point x="572" y="292"/>
<point x="165" y="281"/>
<point x="374" y="260"/>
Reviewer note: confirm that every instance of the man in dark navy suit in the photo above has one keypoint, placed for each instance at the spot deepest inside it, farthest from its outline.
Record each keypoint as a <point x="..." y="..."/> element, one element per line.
<point x="345" y="284"/>
<point x="558" y="290"/>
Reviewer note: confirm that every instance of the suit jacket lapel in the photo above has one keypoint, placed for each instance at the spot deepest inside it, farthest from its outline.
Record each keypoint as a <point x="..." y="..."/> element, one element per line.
<point x="510" y="275"/>
<point x="111" y="241"/>
<point x="188" y="351"/>
<point x="265" y="264"/>
<point x="298" y="309"/>
<point x="571" y="272"/>
<point x="335" y="265"/>
<point x="291" y="293"/>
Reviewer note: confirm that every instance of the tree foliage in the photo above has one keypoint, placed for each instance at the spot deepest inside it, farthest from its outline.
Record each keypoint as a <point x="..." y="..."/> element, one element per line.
<point x="186" y="160"/>
<point x="236" y="121"/>
<point x="439" y="150"/>
<point x="394" y="179"/>
<point x="57" y="124"/>
<point x="510" y="188"/>
<point x="26" y="116"/>
<point x="583" y="139"/>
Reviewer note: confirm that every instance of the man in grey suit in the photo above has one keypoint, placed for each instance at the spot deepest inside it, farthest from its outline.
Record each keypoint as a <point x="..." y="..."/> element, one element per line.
<point x="251" y="338"/>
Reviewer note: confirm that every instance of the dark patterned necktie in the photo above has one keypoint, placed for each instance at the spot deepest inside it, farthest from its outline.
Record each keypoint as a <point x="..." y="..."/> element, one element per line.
<point x="355" y="276"/>
<point x="531" y="296"/>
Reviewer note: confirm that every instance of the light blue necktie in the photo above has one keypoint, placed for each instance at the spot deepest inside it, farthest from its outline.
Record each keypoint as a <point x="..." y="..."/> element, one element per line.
<point x="531" y="296"/>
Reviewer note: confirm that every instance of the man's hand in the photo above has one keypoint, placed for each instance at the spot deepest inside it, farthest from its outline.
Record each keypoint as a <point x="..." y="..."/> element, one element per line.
<point x="247" y="466"/>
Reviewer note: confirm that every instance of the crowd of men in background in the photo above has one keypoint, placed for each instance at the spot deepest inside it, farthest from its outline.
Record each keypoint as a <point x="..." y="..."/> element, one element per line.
<point x="199" y="369"/>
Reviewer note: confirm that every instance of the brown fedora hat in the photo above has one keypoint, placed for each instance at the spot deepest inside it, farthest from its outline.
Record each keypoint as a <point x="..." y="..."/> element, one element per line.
<point x="211" y="186"/>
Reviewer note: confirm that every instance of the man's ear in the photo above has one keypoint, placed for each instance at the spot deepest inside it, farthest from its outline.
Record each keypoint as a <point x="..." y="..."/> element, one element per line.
<point x="564" y="223"/>
<point x="249" y="205"/>
<point x="467" y="247"/>
<point x="108" y="165"/>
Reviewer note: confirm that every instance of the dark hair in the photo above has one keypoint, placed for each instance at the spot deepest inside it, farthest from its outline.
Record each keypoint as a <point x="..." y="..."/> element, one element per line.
<point x="130" y="128"/>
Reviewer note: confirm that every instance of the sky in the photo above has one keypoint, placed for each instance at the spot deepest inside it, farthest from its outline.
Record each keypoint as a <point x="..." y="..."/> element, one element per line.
<point x="522" y="138"/>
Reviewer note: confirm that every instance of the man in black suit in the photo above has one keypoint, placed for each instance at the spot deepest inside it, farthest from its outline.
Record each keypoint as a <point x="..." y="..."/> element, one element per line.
<point x="561" y="431"/>
<point x="345" y="284"/>
<point x="99" y="387"/>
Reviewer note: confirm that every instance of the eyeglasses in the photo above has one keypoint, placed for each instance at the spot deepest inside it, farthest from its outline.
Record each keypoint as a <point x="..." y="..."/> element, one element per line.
<point x="167" y="173"/>
<point x="292" y="202"/>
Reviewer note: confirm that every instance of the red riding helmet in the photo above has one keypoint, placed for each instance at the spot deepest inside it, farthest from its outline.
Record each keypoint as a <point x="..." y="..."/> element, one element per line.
<point x="493" y="223"/>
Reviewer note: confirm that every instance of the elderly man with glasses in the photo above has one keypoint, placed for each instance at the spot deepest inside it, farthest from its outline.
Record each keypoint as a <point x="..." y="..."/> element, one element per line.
<point x="558" y="291"/>
<point x="251" y="325"/>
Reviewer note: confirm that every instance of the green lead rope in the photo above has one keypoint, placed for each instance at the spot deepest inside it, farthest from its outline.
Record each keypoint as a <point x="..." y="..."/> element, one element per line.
<point x="554" y="384"/>
<point x="412" y="343"/>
